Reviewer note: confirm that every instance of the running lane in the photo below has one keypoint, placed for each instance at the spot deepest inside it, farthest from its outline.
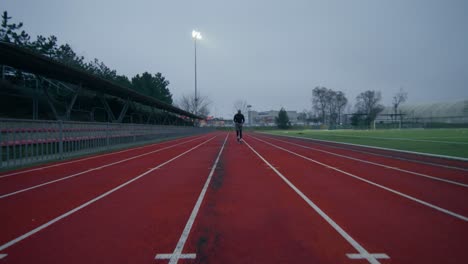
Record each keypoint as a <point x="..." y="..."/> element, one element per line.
<point x="129" y="225"/>
<point x="418" y="163"/>
<point x="23" y="178"/>
<point x="443" y="194"/>
<point x="27" y="210"/>
<point x="251" y="216"/>
<point x="384" y="222"/>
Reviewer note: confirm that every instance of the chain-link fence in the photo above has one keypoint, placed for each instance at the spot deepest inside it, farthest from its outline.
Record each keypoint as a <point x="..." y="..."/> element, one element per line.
<point x="29" y="141"/>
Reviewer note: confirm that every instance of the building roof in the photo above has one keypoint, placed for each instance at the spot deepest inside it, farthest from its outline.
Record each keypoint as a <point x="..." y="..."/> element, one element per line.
<point x="442" y="109"/>
<point x="26" y="60"/>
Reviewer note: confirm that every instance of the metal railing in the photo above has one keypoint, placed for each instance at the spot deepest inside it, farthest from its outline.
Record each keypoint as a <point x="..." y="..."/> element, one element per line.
<point x="25" y="142"/>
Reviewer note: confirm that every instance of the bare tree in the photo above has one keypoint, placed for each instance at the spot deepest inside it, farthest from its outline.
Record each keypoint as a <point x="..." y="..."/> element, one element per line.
<point x="341" y="102"/>
<point x="202" y="107"/>
<point x="320" y="100"/>
<point x="240" y="105"/>
<point x="398" y="99"/>
<point x="368" y="103"/>
<point x="332" y="107"/>
<point x="329" y="104"/>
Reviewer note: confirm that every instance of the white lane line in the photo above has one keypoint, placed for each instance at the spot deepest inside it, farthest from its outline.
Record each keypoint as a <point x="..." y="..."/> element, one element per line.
<point x="400" y="139"/>
<point x="83" y="159"/>
<point x="177" y="254"/>
<point x="359" y="256"/>
<point x="181" y="256"/>
<point x="443" y="137"/>
<point x="3" y="255"/>
<point x="372" y="258"/>
<point x="90" y="170"/>
<point x="373" y="163"/>
<point x="440" y="209"/>
<point x="39" y="228"/>
<point x="317" y="141"/>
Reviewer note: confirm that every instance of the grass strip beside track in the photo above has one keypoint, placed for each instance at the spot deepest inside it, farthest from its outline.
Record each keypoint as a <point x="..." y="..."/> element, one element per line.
<point x="447" y="142"/>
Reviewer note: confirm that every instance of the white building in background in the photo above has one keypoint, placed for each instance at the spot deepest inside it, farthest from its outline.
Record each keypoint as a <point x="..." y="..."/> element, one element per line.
<point x="267" y="118"/>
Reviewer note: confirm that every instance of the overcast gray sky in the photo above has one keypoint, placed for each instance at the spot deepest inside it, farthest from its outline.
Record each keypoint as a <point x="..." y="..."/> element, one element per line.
<point x="270" y="53"/>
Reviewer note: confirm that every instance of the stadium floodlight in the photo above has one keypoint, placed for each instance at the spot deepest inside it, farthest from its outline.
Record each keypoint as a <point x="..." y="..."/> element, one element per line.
<point x="196" y="35"/>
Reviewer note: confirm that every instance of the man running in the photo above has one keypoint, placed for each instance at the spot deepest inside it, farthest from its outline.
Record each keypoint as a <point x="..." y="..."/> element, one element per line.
<point x="239" y="121"/>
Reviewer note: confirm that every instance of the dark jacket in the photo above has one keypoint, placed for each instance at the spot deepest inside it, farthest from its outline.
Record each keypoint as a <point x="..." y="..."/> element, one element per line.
<point x="239" y="118"/>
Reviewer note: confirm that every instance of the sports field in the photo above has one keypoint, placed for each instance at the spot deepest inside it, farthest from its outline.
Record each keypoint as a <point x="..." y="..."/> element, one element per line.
<point x="447" y="142"/>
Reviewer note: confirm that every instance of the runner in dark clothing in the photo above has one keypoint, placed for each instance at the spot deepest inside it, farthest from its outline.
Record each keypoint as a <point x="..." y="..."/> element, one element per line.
<point x="239" y="121"/>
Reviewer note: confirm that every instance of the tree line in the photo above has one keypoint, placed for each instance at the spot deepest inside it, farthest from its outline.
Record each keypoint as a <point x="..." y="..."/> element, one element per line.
<point x="330" y="105"/>
<point x="148" y="84"/>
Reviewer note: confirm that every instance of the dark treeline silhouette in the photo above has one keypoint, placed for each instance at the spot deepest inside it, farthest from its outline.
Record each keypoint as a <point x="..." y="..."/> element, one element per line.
<point x="152" y="85"/>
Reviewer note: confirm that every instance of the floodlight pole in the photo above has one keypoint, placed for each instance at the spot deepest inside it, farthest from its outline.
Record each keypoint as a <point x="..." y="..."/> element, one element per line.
<point x="196" y="35"/>
<point x="196" y="98"/>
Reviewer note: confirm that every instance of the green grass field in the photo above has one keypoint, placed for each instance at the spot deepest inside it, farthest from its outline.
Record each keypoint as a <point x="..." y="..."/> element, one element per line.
<point x="449" y="142"/>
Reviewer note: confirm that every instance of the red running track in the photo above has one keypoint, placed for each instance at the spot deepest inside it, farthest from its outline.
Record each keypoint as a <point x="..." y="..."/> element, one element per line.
<point x="209" y="199"/>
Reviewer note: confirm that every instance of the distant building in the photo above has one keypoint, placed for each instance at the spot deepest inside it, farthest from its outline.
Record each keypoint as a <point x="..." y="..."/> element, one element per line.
<point x="217" y="122"/>
<point x="267" y="118"/>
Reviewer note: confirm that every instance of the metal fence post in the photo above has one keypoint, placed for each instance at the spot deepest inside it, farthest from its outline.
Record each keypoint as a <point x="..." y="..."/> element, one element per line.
<point x="1" y="147"/>
<point x="8" y="136"/>
<point x="15" y="160"/>
<point x="107" y="135"/>
<point x="61" y="139"/>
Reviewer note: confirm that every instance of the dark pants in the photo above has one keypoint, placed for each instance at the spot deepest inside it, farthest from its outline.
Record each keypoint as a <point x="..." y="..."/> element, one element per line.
<point x="239" y="130"/>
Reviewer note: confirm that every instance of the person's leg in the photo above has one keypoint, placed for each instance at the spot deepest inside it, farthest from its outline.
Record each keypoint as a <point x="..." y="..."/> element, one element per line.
<point x="240" y="132"/>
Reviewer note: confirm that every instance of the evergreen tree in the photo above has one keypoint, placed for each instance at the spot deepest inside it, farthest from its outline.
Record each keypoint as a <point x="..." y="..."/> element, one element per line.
<point x="66" y="55"/>
<point x="282" y="120"/>
<point x="10" y="32"/>
<point x="45" y="46"/>
<point x="123" y="81"/>
<point x="155" y="86"/>
<point x="100" y="69"/>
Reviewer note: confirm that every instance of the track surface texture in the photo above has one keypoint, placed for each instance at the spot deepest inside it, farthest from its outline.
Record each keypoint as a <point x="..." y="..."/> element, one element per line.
<point x="210" y="199"/>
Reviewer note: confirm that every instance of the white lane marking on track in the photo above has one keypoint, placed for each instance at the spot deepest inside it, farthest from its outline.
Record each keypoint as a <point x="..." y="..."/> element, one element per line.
<point x="3" y="255"/>
<point x="90" y="170"/>
<point x="321" y="142"/>
<point x="374" y="163"/>
<point x="181" y="256"/>
<point x="177" y="254"/>
<point x="362" y="251"/>
<point x="464" y="218"/>
<point x="405" y="139"/>
<point x="39" y="228"/>
<point x="360" y="256"/>
<point x="83" y="159"/>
